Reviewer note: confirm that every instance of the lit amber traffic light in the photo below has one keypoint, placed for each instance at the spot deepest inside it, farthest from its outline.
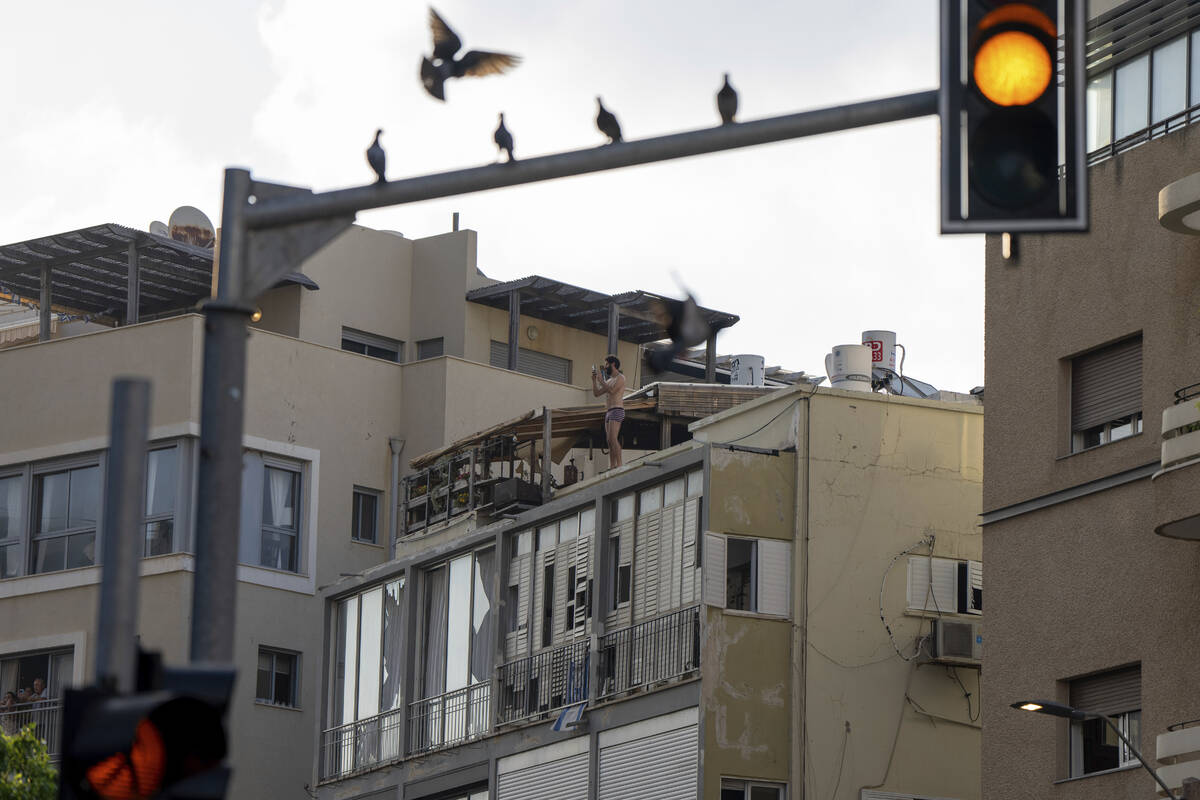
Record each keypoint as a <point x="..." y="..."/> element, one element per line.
<point x="1012" y="68"/>
<point x="136" y="775"/>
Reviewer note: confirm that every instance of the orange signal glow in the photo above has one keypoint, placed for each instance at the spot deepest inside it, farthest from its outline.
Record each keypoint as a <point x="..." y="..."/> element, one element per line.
<point x="137" y="775"/>
<point x="1013" y="68"/>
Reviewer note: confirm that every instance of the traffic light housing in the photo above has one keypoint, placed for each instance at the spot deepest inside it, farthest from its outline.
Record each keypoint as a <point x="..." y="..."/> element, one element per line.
<point x="1012" y="116"/>
<point x="166" y="741"/>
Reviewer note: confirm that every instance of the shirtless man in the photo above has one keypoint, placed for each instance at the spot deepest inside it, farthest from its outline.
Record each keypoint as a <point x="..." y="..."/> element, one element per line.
<point x="612" y="386"/>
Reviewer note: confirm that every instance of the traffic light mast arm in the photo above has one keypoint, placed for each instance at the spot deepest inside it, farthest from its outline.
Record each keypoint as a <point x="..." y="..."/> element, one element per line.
<point x="302" y="208"/>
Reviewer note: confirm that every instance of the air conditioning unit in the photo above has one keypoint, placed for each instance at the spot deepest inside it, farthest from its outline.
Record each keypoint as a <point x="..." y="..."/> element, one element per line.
<point x="957" y="643"/>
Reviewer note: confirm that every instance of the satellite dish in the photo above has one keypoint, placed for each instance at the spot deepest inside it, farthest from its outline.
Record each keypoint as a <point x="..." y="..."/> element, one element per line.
<point x="191" y="226"/>
<point x="159" y="228"/>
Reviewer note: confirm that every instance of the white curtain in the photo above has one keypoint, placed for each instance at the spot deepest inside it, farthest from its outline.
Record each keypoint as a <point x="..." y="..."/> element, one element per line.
<point x="280" y="487"/>
<point x="10" y="508"/>
<point x="435" y="632"/>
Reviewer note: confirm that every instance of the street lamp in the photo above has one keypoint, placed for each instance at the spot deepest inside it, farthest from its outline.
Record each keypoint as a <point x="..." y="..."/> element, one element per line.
<point x="1079" y="714"/>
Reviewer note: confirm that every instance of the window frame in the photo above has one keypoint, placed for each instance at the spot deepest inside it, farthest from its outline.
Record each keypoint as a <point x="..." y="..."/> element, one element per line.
<point x="422" y="620"/>
<point x="746" y="785"/>
<point x="17" y="540"/>
<point x="274" y="652"/>
<point x="269" y="462"/>
<point x="1084" y="369"/>
<point x="1114" y="686"/>
<point x="423" y="344"/>
<point x="753" y="601"/>
<point x="182" y="483"/>
<point x="33" y="536"/>
<point x="356" y="518"/>
<point x="393" y="349"/>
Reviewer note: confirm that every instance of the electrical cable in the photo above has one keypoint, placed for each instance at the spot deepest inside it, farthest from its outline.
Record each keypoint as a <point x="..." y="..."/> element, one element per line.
<point x="925" y="542"/>
<point x="841" y="762"/>
<point x="760" y="428"/>
<point x="954" y="673"/>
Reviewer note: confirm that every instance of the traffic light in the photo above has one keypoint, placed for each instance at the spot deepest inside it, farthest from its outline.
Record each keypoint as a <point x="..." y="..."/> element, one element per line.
<point x="165" y="742"/>
<point x="1012" y="116"/>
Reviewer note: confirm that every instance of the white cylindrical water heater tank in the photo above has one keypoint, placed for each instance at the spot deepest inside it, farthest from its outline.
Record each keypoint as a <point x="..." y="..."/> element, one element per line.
<point x="747" y="370"/>
<point x="849" y="367"/>
<point x="883" y="348"/>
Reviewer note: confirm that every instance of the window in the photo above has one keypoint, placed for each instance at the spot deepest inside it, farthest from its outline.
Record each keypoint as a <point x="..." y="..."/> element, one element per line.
<point x="53" y="669"/>
<point x="618" y="575"/>
<point x="532" y="362"/>
<point x="367" y="641"/>
<point x="370" y="344"/>
<point x="1106" y="394"/>
<point x="429" y="348"/>
<point x="68" y="512"/>
<point x="745" y="574"/>
<point x="278" y="677"/>
<point x="1133" y="86"/>
<point x="458" y="647"/>
<point x="1169" y="95"/>
<point x="1094" y="746"/>
<point x="12" y="525"/>
<point x="945" y="585"/>
<point x="365" y="515"/>
<point x="737" y="789"/>
<point x="281" y="518"/>
<point x="1099" y="111"/>
<point x="739" y="575"/>
<point x="162" y="482"/>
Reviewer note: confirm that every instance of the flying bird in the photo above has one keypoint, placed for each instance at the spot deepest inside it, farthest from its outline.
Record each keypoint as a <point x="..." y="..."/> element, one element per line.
<point x="684" y="325"/>
<point x="503" y="139"/>
<point x="442" y="66"/>
<point x="607" y="123"/>
<point x="727" y="102"/>
<point x="377" y="158"/>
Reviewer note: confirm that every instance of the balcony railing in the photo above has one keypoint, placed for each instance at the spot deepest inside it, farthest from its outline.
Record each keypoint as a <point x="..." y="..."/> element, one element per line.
<point x="542" y="682"/>
<point x="360" y="745"/>
<point x="1140" y="137"/>
<point x="449" y="718"/>
<point x="1181" y="428"/>
<point x="46" y="718"/>
<point x="651" y="652"/>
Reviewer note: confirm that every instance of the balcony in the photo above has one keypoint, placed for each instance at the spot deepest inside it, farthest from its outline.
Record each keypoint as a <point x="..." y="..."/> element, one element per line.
<point x="537" y="685"/>
<point x="1178" y="750"/>
<point x="46" y="719"/>
<point x="1176" y="508"/>
<point x="657" y="651"/>
<point x="359" y="746"/>
<point x="449" y="719"/>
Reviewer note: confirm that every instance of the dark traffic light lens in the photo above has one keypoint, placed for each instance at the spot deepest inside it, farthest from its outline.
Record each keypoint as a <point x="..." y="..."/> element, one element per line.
<point x="1013" y="157"/>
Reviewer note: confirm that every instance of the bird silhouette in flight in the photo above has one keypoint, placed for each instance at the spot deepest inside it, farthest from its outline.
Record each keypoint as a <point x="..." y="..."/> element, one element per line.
<point x="683" y="324"/>
<point x="503" y="139"/>
<point x="607" y="123"/>
<point x="443" y="65"/>
<point x="727" y="102"/>
<point x="377" y="158"/>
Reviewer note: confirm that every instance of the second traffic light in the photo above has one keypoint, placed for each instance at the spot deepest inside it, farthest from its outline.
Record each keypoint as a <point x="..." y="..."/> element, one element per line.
<point x="1012" y="113"/>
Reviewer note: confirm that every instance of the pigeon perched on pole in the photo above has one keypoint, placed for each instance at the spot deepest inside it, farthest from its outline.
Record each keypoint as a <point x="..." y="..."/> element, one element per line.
<point x="727" y="102"/>
<point x="503" y="139"/>
<point x="377" y="158"/>
<point x="607" y="123"/>
<point x="442" y="66"/>
<point x="683" y="324"/>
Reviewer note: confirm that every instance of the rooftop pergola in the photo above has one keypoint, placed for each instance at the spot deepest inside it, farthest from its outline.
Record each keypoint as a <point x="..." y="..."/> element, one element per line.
<point x="110" y="273"/>
<point x="625" y="317"/>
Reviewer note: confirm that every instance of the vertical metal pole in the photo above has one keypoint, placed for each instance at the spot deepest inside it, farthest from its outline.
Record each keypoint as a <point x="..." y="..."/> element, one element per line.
<point x="514" y="327"/>
<point x="44" y="308"/>
<point x="396" y="445"/>
<point x="710" y="360"/>
<point x="547" y="473"/>
<point x="614" y="328"/>
<point x="219" y="495"/>
<point x="133" y="286"/>
<point x="121" y="545"/>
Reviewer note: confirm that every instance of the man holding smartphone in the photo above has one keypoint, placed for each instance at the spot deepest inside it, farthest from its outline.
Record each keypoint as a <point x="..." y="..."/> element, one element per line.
<point x="612" y="386"/>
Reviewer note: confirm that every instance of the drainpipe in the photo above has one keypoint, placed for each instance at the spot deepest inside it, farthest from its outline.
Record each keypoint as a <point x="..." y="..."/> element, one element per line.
<point x="799" y="722"/>
<point x="396" y="445"/>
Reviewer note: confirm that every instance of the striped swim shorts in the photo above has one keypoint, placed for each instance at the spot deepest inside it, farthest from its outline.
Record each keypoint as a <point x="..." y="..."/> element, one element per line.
<point x="614" y="415"/>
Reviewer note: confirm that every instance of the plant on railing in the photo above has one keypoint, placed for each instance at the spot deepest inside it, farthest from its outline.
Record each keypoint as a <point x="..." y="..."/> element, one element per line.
<point x="26" y="772"/>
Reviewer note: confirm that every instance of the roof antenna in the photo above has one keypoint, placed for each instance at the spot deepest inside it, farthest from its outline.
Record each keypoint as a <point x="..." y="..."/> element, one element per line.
<point x="455" y="222"/>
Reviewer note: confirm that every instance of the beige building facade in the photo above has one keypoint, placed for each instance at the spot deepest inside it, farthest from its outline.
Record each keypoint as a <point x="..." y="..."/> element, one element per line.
<point x="1091" y="450"/>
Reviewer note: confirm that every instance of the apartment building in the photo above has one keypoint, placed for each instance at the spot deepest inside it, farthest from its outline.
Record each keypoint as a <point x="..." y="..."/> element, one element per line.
<point x="1090" y="501"/>
<point x="783" y="601"/>
<point x="378" y="347"/>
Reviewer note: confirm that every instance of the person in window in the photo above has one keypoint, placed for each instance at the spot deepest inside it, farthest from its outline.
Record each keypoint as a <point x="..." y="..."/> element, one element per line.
<point x="8" y="716"/>
<point x="612" y="386"/>
<point x="39" y="691"/>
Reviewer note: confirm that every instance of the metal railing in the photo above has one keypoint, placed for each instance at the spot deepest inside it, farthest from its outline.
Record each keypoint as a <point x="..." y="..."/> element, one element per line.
<point x="1187" y="393"/>
<point x="1155" y="131"/>
<point x="654" y="651"/>
<point x="542" y="682"/>
<point x="360" y="745"/>
<point x="46" y="718"/>
<point x="449" y="718"/>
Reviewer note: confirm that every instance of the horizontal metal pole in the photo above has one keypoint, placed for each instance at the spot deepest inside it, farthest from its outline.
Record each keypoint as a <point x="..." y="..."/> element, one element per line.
<point x="302" y="208"/>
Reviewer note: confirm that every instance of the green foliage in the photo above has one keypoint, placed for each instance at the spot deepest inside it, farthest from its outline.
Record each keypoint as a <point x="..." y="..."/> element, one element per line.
<point x="25" y="769"/>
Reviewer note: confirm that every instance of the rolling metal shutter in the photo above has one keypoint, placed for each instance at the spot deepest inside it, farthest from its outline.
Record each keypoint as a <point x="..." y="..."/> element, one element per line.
<point x="563" y="779"/>
<point x="663" y="766"/>
<point x="1111" y="693"/>
<point x="936" y="592"/>
<point x="714" y="570"/>
<point x="1106" y="384"/>
<point x="531" y="362"/>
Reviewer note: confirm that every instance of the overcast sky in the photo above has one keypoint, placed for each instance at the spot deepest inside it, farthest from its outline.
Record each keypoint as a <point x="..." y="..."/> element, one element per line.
<point x="122" y="111"/>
